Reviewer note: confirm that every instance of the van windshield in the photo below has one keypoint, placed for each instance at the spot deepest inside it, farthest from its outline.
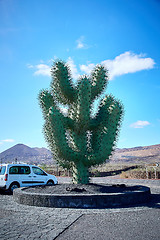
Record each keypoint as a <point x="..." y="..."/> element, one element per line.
<point x="2" y="170"/>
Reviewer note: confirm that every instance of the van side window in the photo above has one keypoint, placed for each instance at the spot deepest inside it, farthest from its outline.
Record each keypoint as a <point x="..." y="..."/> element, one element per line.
<point x="38" y="171"/>
<point x="19" y="170"/>
<point x="24" y="170"/>
<point x="13" y="170"/>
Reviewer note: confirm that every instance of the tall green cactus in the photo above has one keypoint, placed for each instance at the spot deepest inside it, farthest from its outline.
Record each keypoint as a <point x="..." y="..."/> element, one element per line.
<point x="79" y="140"/>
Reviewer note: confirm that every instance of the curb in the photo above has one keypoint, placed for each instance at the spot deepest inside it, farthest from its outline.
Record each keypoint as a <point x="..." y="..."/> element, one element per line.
<point x="103" y="200"/>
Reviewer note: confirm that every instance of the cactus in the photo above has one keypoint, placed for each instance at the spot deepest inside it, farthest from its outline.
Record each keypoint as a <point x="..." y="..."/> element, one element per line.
<point x="80" y="140"/>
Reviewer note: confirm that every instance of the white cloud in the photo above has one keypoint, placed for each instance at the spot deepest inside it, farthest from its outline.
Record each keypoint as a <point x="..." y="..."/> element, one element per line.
<point x="73" y="68"/>
<point x="139" y="124"/>
<point x="81" y="44"/>
<point x="87" y="68"/>
<point x="127" y="62"/>
<point x="43" y="69"/>
<point x="52" y="59"/>
<point x="7" y="141"/>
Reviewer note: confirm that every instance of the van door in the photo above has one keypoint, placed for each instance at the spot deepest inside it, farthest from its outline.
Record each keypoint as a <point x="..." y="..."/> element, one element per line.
<point x="20" y="174"/>
<point x="39" y="176"/>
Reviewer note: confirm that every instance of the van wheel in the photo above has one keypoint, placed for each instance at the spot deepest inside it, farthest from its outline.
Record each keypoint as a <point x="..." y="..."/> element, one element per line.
<point x="13" y="186"/>
<point x="50" y="183"/>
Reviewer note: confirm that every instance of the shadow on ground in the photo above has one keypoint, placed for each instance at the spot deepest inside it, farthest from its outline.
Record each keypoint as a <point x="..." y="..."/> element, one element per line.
<point x="155" y="201"/>
<point x="3" y="192"/>
<point x="112" y="173"/>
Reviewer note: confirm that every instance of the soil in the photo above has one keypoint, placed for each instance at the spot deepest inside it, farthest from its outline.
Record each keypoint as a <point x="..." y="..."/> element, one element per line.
<point x="81" y="189"/>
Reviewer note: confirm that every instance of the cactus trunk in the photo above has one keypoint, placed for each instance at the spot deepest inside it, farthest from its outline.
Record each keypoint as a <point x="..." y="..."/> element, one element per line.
<point x="80" y="173"/>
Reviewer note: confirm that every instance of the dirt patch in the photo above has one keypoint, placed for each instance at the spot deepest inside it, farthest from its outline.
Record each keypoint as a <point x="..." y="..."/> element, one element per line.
<point x="81" y="189"/>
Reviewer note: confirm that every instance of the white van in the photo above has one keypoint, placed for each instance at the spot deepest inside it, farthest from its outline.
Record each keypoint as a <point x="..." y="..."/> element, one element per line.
<point x="22" y="175"/>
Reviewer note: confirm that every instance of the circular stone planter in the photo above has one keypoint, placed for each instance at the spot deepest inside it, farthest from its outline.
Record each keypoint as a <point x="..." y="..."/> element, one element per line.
<point x="82" y="196"/>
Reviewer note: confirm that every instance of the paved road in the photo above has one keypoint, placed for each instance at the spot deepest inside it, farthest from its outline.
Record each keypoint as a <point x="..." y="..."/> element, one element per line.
<point x="27" y="222"/>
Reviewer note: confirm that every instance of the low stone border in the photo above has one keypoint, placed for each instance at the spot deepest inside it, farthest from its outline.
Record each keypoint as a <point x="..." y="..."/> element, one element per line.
<point x="103" y="200"/>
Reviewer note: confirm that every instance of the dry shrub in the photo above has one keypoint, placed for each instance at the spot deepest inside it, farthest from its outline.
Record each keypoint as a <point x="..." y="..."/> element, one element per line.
<point x="140" y="174"/>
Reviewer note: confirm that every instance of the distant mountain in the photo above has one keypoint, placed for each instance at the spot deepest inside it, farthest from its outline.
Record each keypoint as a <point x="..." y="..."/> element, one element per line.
<point x="20" y="150"/>
<point x="154" y="147"/>
<point x="27" y="154"/>
<point x="147" y="154"/>
<point x="23" y="153"/>
<point x="42" y="151"/>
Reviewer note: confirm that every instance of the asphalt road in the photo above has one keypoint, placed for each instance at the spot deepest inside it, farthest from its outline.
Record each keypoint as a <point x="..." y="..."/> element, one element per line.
<point x="133" y="223"/>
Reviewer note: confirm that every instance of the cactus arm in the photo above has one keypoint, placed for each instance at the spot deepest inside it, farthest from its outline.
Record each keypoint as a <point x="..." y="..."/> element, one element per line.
<point x="62" y="148"/>
<point x="49" y="137"/>
<point x="46" y="102"/>
<point x="99" y="79"/>
<point x="55" y="127"/>
<point x="110" y="130"/>
<point x="80" y="113"/>
<point x="83" y="105"/>
<point x="104" y="137"/>
<point x="82" y="116"/>
<point x="102" y="114"/>
<point x="61" y="84"/>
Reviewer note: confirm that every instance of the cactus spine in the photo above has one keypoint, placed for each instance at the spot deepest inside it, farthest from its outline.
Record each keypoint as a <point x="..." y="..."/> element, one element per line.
<point x="78" y="140"/>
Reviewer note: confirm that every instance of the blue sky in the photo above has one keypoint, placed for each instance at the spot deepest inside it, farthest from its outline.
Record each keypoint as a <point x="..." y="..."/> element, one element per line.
<point x="121" y="34"/>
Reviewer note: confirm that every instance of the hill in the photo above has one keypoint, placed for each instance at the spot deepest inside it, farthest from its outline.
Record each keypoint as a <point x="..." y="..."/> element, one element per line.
<point x="27" y="154"/>
<point x="147" y="154"/>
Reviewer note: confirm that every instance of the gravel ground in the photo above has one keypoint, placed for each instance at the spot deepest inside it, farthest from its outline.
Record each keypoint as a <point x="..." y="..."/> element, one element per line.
<point x="27" y="222"/>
